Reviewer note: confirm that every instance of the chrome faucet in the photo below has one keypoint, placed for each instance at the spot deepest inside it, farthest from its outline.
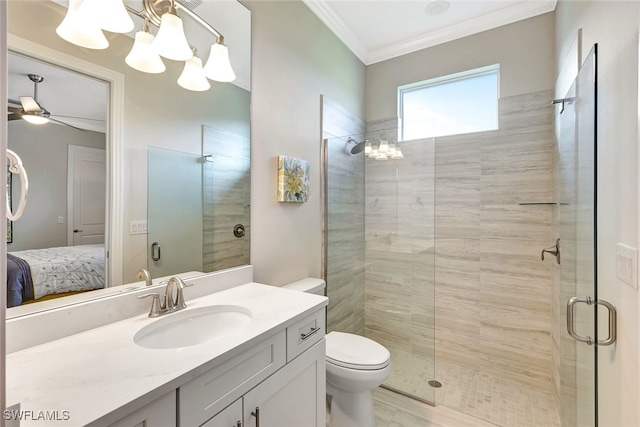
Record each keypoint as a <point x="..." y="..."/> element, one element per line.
<point x="169" y="304"/>
<point x="145" y="275"/>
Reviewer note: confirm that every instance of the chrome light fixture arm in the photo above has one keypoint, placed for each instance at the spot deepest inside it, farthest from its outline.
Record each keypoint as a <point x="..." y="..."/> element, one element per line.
<point x="154" y="9"/>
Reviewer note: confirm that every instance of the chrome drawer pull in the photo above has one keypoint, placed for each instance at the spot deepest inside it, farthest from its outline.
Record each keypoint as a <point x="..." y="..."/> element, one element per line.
<point x="256" y="414"/>
<point x="310" y="333"/>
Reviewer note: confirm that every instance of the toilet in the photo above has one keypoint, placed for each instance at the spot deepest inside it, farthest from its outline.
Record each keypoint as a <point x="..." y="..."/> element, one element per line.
<point x="355" y="366"/>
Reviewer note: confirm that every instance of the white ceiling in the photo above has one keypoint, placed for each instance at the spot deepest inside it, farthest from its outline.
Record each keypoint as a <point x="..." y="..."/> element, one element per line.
<point x="377" y="30"/>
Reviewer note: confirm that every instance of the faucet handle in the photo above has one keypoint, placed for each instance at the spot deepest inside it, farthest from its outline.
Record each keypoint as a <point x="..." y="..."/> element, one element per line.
<point x="155" y="304"/>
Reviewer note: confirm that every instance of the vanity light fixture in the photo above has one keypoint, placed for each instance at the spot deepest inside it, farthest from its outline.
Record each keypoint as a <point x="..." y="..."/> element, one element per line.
<point x="143" y="57"/>
<point x="170" y="42"/>
<point x="193" y="76"/>
<point x="85" y="20"/>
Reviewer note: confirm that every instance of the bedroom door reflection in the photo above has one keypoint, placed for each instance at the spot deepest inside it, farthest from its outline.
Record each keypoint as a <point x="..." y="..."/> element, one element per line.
<point x="87" y="186"/>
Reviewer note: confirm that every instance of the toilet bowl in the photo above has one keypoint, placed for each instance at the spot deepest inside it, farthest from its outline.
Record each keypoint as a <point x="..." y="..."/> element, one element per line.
<point x="355" y="366"/>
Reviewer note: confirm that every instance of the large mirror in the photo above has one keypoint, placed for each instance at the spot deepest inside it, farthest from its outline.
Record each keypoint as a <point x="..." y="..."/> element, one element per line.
<point x="111" y="110"/>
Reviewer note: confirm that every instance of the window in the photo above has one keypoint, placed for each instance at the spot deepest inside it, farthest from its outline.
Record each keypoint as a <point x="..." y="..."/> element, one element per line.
<point x="449" y="105"/>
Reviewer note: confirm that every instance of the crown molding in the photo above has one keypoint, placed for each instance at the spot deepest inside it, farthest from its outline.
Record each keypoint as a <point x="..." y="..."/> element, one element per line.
<point x="508" y="15"/>
<point x="337" y="26"/>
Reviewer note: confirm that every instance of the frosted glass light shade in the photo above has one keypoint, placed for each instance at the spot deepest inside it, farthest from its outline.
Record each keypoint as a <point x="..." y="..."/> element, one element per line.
<point x="398" y="154"/>
<point x="79" y="31"/>
<point x="143" y="57"/>
<point x="367" y="148"/>
<point x="35" y="118"/>
<point x="218" y="66"/>
<point x="110" y="15"/>
<point x="171" y="43"/>
<point x="374" y="153"/>
<point x="192" y="77"/>
<point x="384" y="146"/>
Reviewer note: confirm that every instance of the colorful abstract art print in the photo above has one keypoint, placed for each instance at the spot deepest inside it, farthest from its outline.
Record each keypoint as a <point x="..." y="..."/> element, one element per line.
<point x="293" y="179"/>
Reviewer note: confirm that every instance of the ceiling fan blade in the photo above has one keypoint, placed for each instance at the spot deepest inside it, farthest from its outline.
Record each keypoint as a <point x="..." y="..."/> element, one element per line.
<point x="30" y="105"/>
<point x="14" y="109"/>
<point x="67" y="124"/>
<point x="79" y="118"/>
<point x="14" y="116"/>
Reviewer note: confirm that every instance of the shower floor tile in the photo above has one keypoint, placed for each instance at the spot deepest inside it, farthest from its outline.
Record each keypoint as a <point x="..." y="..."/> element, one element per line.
<point x="494" y="399"/>
<point x="469" y="392"/>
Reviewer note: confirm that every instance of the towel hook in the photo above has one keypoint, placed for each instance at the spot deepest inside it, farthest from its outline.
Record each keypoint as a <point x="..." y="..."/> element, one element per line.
<point x="16" y="167"/>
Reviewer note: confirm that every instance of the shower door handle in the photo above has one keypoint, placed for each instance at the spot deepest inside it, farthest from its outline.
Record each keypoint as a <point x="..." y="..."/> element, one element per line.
<point x="155" y="251"/>
<point x="589" y="340"/>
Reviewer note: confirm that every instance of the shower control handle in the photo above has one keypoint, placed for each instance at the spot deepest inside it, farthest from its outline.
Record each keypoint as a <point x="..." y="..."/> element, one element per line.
<point x="553" y="250"/>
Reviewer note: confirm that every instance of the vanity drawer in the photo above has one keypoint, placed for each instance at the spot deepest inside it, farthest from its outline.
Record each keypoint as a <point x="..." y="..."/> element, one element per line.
<point x="305" y="333"/>
<point x="205" y="396"/>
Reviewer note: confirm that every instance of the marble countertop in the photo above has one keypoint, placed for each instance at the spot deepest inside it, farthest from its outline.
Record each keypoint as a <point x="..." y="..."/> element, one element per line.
<point x="99" y="376"/>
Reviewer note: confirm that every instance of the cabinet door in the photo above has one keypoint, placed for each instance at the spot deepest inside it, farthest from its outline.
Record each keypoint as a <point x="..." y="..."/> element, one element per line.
<point x="231" y="416"/>
<point x="292" y="397"/>
<point x="159" y="413"/>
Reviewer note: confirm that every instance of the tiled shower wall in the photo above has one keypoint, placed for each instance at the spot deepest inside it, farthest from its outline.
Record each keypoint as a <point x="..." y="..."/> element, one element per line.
<point x="492" y="292"/>
<point x="227" y="198"/>
<point x="344" y="261"/>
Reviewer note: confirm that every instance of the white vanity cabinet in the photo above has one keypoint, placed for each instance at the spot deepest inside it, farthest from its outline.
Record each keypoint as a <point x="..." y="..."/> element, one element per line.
<point x="229" y="417"/>
<point x="292" y="397"/>
<point x="159" y="413"/>
<point x="269" y="385"/>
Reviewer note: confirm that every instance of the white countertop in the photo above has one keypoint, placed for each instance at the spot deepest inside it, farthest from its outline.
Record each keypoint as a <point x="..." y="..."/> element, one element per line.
<point x="101" y="375"/>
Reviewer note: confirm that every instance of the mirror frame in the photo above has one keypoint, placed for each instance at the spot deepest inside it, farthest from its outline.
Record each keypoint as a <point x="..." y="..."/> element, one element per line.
<point x="114" y="141"/>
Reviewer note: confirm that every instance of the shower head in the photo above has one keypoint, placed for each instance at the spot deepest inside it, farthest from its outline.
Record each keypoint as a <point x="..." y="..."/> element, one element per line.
<point x="358" y="147"/>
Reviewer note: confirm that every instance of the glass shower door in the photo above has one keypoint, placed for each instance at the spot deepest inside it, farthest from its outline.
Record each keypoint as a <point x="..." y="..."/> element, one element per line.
<point x="174" y="212"/>
<point x="576" y="135"/>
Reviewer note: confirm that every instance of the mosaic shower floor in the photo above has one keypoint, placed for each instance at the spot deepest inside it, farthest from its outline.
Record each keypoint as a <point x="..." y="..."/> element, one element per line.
<point x="473" y="393"/>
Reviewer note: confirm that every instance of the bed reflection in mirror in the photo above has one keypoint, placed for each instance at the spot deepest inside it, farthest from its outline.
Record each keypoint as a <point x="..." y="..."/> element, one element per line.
<point x="57" y="246"/>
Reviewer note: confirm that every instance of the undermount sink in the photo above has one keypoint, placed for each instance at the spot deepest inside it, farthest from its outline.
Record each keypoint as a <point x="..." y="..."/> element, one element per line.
<point x="192" y="327"/>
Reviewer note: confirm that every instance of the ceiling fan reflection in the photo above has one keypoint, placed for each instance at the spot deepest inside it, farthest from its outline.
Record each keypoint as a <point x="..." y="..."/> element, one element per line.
<point x="29" y="109"/>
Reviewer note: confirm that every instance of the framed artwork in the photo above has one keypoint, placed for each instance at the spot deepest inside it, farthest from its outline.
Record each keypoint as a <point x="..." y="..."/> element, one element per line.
<point x="293" y="179"/>
<point x="9" y="222"/>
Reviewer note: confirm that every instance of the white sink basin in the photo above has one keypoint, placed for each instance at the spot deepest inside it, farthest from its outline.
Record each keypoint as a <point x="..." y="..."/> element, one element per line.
<point x="192" y="327"/>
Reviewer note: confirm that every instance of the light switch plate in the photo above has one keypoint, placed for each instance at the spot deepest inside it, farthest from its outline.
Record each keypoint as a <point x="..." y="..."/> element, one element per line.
<point x="138" y="227"/>
<point x="627" y="264"/>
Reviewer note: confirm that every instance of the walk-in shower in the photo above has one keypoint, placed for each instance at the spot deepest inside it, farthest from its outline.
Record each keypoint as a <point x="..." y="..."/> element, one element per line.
<point x="436" y="256"/>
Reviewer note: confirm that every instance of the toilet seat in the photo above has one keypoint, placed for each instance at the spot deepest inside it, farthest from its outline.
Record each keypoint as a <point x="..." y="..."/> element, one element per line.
<point x="355" y="352"/>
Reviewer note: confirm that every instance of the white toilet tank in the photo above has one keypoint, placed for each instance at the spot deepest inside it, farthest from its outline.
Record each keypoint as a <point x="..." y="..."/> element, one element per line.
<point x="310" y="285"/>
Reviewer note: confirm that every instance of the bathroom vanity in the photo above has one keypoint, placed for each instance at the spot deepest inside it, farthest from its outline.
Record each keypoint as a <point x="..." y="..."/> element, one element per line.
<point x="261" y="361"/>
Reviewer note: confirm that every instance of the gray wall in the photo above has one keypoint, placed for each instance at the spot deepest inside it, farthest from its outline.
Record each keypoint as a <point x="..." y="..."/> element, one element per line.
<point x="295" y="60"/>
<point x="43" y="150"/>
<point x="614" y="26"/>
<point x="523" y="49"/>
